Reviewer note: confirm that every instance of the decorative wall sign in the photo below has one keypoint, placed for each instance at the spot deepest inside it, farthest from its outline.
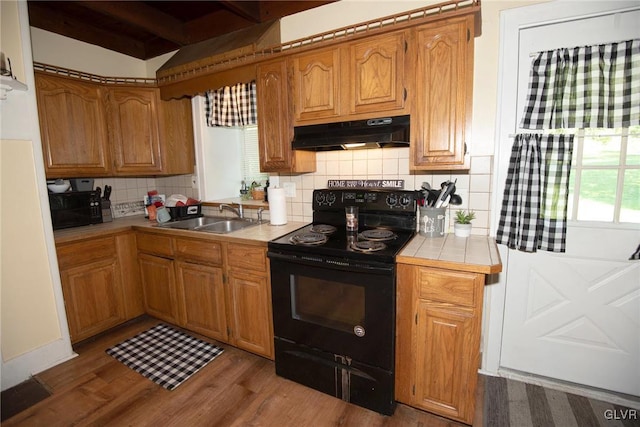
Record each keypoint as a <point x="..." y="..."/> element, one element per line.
<point x="397" y="184"/>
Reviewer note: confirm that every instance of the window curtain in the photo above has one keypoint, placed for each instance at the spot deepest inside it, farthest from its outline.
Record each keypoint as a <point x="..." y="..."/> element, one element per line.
<point x="585" y="87"/>
<point x="232" y="106"/>
<point x="534" y="207"/>
<point x="580" y="87"/>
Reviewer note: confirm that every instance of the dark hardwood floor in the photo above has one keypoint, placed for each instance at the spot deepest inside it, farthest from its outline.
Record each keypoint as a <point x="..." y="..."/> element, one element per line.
<point x="236" y="389"/>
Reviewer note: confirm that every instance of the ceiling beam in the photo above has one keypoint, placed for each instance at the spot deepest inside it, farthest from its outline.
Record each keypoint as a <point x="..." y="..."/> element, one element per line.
<point x="47" y="18"/>
<point x="249" y="10"/>
<point x="142" y="16"/>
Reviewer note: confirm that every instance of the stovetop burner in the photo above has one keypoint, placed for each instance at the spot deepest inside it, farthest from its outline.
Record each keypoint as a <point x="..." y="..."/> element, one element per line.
<point x="378" y="235"/>
<point x="308" y="238"/>
<point x="323" y="228"/>
<point x="368" y="246"/>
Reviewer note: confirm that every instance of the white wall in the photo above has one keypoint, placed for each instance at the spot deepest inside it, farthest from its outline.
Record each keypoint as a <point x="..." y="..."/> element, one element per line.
<point x="33" y="323"/>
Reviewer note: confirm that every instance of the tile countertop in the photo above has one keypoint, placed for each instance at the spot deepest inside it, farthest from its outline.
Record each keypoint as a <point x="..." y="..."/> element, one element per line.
<point x="259" y="233"/>
<point x="478" y="254"/>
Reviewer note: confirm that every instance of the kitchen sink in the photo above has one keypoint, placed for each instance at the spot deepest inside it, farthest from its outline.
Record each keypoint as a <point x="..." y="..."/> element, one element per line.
<point x="212" y="224"/>
<point x="228" y="225"/>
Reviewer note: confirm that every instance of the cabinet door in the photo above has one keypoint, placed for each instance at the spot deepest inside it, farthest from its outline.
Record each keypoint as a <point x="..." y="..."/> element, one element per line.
<point x="176" y="137"/>
<point x="134" y="133"/>
<point x="201" y="299"/>
<point x="275" y="131"/>
<point x="72" y="126"/>
<point x="441" y="118"/>
<point x="93" y="298"/>
<point x="159" y="287"/>
<point x="250" y="312"/>
<point x="316" y="85"/>
<point x="377" y="74"/>
<point x="445" y="366"/>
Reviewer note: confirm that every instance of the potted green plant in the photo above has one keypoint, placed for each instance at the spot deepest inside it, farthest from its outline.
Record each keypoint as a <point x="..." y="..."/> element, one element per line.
<point x="462" y="224"/>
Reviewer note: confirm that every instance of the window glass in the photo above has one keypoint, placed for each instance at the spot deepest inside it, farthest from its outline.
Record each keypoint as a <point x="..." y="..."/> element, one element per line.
<point x="597" y="194"/>
<point x="630" y="209"/>
<point x="601" y="147"/>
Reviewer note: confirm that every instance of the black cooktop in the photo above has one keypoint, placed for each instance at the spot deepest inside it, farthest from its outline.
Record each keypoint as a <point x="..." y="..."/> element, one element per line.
<point x="369" y="244"/>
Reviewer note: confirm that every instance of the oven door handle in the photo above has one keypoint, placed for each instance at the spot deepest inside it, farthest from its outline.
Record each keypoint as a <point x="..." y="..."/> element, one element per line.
<point x="334" y="263"/>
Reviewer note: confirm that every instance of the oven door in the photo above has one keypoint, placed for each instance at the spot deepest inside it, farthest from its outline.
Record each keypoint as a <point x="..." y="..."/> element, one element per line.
<point x="336" y="307"/>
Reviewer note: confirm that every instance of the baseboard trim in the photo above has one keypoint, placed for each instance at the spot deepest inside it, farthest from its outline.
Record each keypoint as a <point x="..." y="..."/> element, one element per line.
<point x="22" y="367"/>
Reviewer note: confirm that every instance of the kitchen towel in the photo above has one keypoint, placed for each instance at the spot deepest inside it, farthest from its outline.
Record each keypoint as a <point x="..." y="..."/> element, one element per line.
<point x="277" y="206"/>
<point x="165" y="355"/>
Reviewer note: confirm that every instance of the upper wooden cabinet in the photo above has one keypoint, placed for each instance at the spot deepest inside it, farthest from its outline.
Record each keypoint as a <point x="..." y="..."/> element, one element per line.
<point x="73" y="127"/>
<point x="275" y="130"/>
<point x="316" y="85"/>
<point x="376" y="74"/>
<point x="134" y="132"/>
<point x="361" y="79"/>
<point x="442" y="107"/>
<point x="91" y="129"/>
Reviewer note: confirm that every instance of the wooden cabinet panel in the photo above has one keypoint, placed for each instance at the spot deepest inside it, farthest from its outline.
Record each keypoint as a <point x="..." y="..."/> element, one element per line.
<point x="134" y="132"/>
<point x="250" y="312"/>
<point x="159" y="287"/>
<point x="93" y="298"/>
<point x="450" y="287"/>
<point x="176" y="137"/>
<point x="441" y="117"/>
<point x="85" y="252"/>
<point x="316" y="85"/>
<point x="275" y="131"/>
<point x="201" y="299"/>
<point x="199" y="250"/>
<point x="247" y="257"/>
<point x="438" y="321"/>
<point x="445" y="344"/>
<point x="131" y="285"/>
<point x="155" y="244"/>
<point x="72" y="126"/>
<point x="377" y="74"/>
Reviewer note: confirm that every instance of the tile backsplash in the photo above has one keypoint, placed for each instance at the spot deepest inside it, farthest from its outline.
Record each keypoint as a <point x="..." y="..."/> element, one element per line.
<point x="134" y="189"/>
<point x="473" y="186"/>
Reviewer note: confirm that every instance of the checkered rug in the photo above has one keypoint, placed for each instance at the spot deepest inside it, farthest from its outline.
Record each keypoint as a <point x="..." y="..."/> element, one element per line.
<point x="165" y="355"/>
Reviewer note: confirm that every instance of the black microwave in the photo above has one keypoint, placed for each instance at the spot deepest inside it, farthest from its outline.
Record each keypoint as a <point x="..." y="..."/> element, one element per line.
<point x="75" y="209"/>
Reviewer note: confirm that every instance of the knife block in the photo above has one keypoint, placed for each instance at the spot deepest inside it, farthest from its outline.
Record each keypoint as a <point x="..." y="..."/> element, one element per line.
<point x="106" y="210"/>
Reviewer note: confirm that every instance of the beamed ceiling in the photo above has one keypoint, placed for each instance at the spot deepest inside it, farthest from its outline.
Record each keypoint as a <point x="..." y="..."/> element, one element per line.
<point x="146" y="29"/>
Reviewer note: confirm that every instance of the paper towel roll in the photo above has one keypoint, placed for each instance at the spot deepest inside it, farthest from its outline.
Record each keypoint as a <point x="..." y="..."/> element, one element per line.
<point x="277" y="206"/>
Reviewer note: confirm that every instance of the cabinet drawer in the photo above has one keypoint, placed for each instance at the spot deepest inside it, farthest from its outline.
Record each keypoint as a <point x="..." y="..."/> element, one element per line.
<point x="155" y="244"/>
<point x="199" y="250"/>
<point x="247" y="257"/>
<point x="449" y="287"/>
<point x="86" y="252"/>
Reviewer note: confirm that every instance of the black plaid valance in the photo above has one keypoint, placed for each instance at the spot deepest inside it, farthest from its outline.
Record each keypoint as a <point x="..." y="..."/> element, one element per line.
<point x="232" y="105"/>
<point x="585" y="87"/>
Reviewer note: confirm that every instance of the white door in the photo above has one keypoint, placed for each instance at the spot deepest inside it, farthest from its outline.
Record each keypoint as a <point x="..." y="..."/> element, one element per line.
<point x="575" y="316"/>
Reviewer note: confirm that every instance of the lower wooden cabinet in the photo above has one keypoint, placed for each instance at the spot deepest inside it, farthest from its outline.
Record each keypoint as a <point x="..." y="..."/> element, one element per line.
<point x="159" y="287"/>
<point x="250" y="299"/>
<point x="439" y="314"/>
<point x="201" y="299"/>
<point x="217" y="289"/>
<point x="99" y="285"/>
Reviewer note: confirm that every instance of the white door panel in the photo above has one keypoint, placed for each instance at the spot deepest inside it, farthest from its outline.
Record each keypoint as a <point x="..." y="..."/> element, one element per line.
<point x="575" y="316"/>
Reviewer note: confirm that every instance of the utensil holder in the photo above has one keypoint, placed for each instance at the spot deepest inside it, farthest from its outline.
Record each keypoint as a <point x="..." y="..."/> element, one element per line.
<point x="431" y="221"/>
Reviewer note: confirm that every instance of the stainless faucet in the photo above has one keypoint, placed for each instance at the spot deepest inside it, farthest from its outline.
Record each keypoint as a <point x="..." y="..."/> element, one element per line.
<point x="239" y="211"/>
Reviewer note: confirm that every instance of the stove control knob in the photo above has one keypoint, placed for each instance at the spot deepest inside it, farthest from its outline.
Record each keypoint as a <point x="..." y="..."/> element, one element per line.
<point x="331" y="199"/>
<point x="405" y="200"/>
<point x="392" y="200"/>
<point x="358" y="330"/>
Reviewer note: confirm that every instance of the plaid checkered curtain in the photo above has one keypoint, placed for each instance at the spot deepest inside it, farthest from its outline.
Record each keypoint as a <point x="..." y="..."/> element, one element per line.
<point x="534" y="207"/>
<point x="585" y="87"/>
<point x="232" y="106"/>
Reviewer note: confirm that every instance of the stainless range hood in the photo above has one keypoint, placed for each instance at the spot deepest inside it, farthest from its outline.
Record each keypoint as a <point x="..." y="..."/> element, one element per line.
<point x="371" y="133"/>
